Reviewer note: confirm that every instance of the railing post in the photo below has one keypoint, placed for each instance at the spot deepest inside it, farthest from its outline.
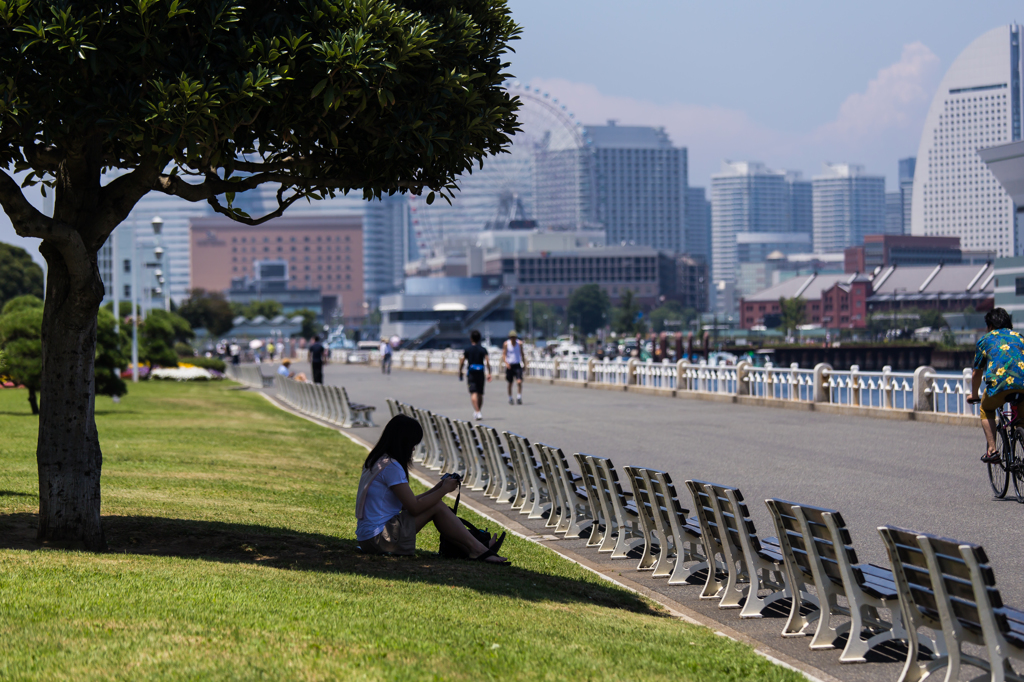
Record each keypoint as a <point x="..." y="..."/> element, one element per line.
<point x="855" y="385"/>
<point x="742" y="385"/>
<point x="887" y="393"/>
<point x="590" y="369"/>
<point x="821" y="392"/>
<point x="963" y="407"/>
<point x="681" y="376"/>
<point x="631" y="371"/>
<point x="554" y="367"/>
<point x="924" y="400"/>
<point x="794" y="381"/>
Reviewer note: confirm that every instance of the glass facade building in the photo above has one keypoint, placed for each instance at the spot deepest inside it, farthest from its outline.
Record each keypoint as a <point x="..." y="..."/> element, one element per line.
<point x="848" y="205"/>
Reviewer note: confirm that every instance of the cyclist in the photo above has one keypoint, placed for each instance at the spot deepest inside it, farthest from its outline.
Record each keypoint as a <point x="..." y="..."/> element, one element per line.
<point x="999" y="362"/>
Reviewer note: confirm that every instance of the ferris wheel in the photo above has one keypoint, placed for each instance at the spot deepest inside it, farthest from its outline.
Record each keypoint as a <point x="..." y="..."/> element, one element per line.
<point x="542" y="177"/>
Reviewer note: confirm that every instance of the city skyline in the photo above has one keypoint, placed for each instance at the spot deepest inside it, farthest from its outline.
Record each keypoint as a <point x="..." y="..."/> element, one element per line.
<point x="796" y="88"/>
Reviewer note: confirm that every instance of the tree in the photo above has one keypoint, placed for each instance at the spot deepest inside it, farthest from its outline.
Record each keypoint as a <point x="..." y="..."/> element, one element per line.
<point x="793" y="312"/>
<point x="209" y="310"/>
<point x="589" y="307"/>
<point x="110" y="354"/>
<point x="157" y="335"/>
<point x="544" y="316"/>
<point x="19" y="275"/>
<point x="21" y="324"/>
<point x="309" y="329"/>
<point x="268" y="309"/>
<point x="203" y="99"/>
<point x="674" y="311"/>
<point x="933" y="318"/>
<point x="627" y="318"/>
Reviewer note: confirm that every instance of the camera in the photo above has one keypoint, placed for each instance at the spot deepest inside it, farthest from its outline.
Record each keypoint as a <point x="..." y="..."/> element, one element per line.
<point x="456" y="476"/>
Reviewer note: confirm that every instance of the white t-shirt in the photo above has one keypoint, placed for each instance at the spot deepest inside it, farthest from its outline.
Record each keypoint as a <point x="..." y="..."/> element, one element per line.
<point x="513" y="352"/>
<point x="382" y="505"/>
<point x="385" y="348"/>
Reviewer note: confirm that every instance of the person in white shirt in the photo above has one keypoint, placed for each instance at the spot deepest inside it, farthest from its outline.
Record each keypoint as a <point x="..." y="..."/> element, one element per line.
<point x="515" y="362"/>
<point x="385" y="357"/>
<point x="389" y="514"/>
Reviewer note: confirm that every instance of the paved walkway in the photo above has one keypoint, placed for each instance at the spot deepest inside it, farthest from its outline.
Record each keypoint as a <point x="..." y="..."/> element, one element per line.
<point x="922" y="476"/>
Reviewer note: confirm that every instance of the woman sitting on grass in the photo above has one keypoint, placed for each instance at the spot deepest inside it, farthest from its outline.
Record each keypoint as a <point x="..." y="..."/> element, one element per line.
<point x="390" y="515"/>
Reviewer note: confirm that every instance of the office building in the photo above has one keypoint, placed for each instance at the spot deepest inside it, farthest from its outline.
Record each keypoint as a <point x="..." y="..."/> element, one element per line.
<point x="552" y="277"/>
<point x="324" y="253"/>
<point x="977" y="105"/>
<point x="755" y="211"/>
<point x="894" y="213"/>
<point x="389" y="243"/>
<point x="882" y="250"/>
<point x="440" y="312"/>
<point x="849" y="204"/>
<point x="905" y="175"/>
<point x="640" y="184"/>
<point x="698" y="224"/>
<point x="687" y="282"/>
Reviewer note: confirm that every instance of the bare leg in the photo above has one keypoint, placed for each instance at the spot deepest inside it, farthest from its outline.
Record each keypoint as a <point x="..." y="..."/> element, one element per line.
<point x="988" y="425"/>
<point x="510" y="389"/>
<point x="477" y="400"/>
<point x="448" y="525"/>
<point x="519" y="387"/>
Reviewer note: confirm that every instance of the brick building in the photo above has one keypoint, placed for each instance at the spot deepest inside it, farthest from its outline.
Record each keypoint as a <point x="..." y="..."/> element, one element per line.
<point x="324" y="253"/>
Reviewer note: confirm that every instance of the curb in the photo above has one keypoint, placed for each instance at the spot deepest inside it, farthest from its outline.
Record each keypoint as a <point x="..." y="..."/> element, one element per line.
<point x="674" y="608"/>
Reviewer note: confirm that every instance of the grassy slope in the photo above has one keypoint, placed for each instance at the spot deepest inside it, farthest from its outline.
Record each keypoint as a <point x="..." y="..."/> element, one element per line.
<point x="230" y="527"/>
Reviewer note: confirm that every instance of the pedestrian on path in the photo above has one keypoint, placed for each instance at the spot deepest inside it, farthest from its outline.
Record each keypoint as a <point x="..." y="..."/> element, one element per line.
<point x="476" y="359"/>
<point x="385" y="357"/>
<point x="316" y="360"/>
<point x="515" y="362"/>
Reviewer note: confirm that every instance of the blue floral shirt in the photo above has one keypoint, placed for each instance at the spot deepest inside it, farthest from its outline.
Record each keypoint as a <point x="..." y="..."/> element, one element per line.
<point x="1001" y="354"/>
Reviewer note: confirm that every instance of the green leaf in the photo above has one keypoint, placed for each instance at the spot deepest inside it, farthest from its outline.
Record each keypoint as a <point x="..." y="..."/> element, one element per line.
<point x="430" y="198"/>
<point x="318" y="88"/>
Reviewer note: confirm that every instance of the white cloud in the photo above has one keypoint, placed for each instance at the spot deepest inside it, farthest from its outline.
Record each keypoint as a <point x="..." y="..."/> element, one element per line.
<point x="873" y="127"/>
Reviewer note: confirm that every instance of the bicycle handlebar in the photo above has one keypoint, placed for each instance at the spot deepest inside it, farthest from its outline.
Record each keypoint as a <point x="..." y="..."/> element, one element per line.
<point x="973" y="401"/>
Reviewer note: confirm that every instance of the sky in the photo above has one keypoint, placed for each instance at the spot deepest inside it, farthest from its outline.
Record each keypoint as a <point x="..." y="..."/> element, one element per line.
<point x="790" y="84"/>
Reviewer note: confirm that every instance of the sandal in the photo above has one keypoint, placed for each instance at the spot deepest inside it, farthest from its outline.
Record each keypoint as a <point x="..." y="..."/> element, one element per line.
<point x="991" y="457"/>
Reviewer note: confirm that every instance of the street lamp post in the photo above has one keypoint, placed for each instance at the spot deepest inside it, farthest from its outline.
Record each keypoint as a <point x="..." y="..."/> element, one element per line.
<point x="158" y="252"/>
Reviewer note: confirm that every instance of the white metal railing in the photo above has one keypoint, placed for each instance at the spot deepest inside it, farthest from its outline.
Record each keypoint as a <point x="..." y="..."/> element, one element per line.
<point x="921" y="390"/>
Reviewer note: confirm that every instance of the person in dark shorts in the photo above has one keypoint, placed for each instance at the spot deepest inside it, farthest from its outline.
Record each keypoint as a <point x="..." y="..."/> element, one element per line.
<point x="475" y="360"/>
<point x="515" y="362"/>
<point x="316" y="360"/>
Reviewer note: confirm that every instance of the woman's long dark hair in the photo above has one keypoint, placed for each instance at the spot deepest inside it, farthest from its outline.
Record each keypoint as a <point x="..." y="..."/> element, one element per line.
<point x="401" y="436"/>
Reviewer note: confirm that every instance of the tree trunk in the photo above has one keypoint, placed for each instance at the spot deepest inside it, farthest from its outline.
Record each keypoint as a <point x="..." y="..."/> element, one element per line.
<point x="32" y="401"/>
<point x="68" y="451"/>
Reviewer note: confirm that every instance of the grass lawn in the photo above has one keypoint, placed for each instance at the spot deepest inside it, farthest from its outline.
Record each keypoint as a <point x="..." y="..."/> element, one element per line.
<point x="232" y="556"/>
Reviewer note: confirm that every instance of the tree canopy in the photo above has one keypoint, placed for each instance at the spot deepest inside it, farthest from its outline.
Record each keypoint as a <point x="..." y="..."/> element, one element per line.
<point x="158" y="334"/>
<point x="627" y="318"/>
<point x="21" y="323"/>
<point x="209" y="310"/>
<point x="19" y="275"/>
<point x="793" y="312"/>
<point x="203" y="99"/>
<point x="588" y="307"/>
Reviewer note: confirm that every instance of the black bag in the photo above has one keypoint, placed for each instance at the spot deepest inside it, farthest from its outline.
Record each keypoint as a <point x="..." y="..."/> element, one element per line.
<point x="450" y="549"/>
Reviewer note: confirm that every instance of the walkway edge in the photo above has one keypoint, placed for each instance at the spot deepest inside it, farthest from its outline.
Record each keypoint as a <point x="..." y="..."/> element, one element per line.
<point x="674" y="608"/>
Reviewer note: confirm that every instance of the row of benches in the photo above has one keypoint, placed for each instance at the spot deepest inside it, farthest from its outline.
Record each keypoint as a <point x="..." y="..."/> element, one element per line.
<point x="250" y="375"/>
<point x="936" y="583"/>
<point x="327" y="403"/>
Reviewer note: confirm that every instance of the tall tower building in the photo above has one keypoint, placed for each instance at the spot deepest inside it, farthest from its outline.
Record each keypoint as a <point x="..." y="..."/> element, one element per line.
<point x="756" y="211"/>
<point x="640" y="186"/>
<point x="977" y="105"/>
<point x="388" y="244"/>
<point x="698" y="223"/>
<point x="907" y="167"/>
<point x="848" y="205"/>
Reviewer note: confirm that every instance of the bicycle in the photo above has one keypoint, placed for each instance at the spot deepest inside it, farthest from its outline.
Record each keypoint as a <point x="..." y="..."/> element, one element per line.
<point x="1010" y="435"/>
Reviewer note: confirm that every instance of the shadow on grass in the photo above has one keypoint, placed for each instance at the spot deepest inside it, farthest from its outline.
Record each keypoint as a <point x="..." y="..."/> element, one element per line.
<point x="17" y="414"/>
<point x="289" y="550"/>
<point x="12" y="493"/>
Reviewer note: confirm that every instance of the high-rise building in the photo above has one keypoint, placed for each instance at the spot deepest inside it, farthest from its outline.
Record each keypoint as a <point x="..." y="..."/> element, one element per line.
<point x="698" y="223"/>
<point x="906" y="180"/>
<point x="756" y="211"/>
<point x="640" y="184"/>
<point x="848" y="205"/>
<point x="389" y="243"/>
<point x="893" y="213"/>
<point x="978" y="105"/>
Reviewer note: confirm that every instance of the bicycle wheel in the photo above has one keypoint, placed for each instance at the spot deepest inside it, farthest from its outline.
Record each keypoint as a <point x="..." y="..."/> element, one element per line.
<point x="998" y="473"/>
<point x="1017" y="465"/>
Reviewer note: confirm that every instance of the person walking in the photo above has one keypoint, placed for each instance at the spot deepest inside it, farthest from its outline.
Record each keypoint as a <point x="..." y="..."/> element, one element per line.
<point x="515" y="362"/>
<point x="385" y="357"/>
<point x="316" y="360"/>
<point x="476" y="358"/>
